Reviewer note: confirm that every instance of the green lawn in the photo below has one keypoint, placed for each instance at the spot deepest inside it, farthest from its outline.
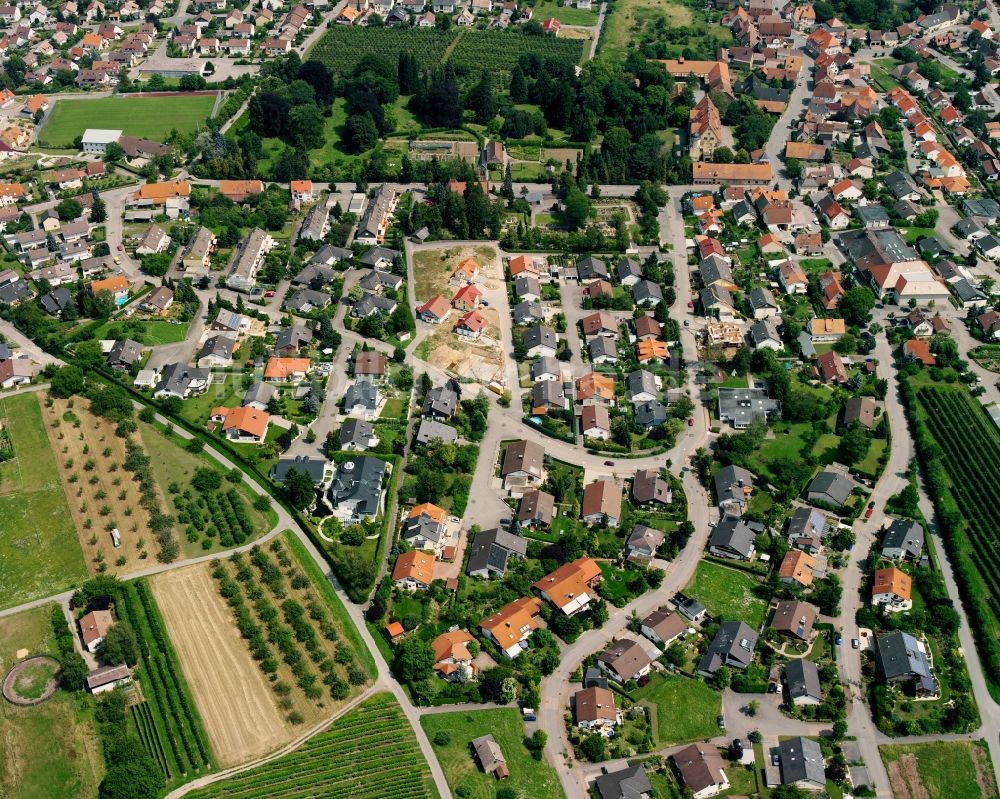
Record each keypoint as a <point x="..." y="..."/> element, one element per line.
<point x="727" y="594"/>
<point x="40" y="553"/>
<point x="945" y="768"/>
<point x="666" y="694"/>
<point x="528" y="777"/>
<point x="49" y="750"/>
<point x="869" y="465"/>
<point x="566" y="15"/>
<point x="155" y="331"/>
<point x="225" y="390"/>
<point x="147" y="117"/>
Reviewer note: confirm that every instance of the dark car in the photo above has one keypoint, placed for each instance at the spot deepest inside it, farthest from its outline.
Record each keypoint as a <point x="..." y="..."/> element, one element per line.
<point x="721" y="721"/>
<point x="609" y="463"/>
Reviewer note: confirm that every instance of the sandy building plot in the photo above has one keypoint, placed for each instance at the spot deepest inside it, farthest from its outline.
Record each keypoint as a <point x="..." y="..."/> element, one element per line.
<point x="434" y="266"/>
<point x="235" y="701"/>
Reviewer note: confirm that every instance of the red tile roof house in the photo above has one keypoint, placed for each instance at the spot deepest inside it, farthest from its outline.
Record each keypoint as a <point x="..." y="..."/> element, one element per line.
<point x="471" y="325"/>
<point x="467" y="298"/>
<point x="435" y="310"/>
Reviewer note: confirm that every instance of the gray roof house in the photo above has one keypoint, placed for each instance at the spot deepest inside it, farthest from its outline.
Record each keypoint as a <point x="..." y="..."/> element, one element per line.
<point x="650" y="414"/>
<point x="741" y="406"/>
<point x="440" y="403"/>
<point x="489" y="755"/>
<point x="903" y="540"/>
<point x="378" y="257"/>
<point x="370" y="304"/>
<point x="733" y="645"/>
<point x="525" y="313"/>
<point x="217" y="351"/>
<point x="732" y="488"/>
<point x="491" y="551"/>
<point x="806" y="529"/>
<point x="628" y="783"/>
<point x="356" y="490"/>
<point x="602" y="350"/>
<point x="433" y="430"/>
<point x="57" y="300"/>
<point x="124" y="354"/>
<point x="715" y="269"/>
<point x="181" y="380"/>
<point x="540" y="340"/>
<point x="361" y="397"/>
<point x="306" y="300"/>
<point x="731" y="538"/>
<point x="640" y="386"/>
<point x="377" y="280"/>
<point x="802" y="681"/>
<point x="801" y="763"/>
<point x="830" y="487"/>
<point x="258" y="395"/>
<point x="290" y="340"/>
<point x="545" y="368"/>
<point x="762" y="303"/>
<point x="357" y="435"/>
<point x="642" y="543"/>
<point x="629" y="271"/>
<point x="591" y="268"/>
<point x="764" y="334"/>
<point x="315" y="466"/>
<point x="902" y="658"/>
<point x="646" y="292"/>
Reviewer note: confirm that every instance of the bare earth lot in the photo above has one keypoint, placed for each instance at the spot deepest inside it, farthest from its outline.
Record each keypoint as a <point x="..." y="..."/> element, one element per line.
<point x="238" y="707"/>
<point x="433" y="267"/>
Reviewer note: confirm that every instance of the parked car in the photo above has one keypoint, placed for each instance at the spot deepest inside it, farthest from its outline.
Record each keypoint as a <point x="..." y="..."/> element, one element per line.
<point x="839" y="640"/>
<point x="855" y="643"/>
<point x="690" y="421"/>
<point x="690" y="303"/>
<point x="687" y="323"/>
<point x="721" y="721"/>
<point x="609" y="463"/>
<point x="120" y="248"/>
<point x="869" y="510"/>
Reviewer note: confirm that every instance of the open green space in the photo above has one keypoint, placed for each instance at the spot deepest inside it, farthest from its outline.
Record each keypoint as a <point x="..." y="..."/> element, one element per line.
<point x="225" y="390"/>
<point x="369" y="753"/>
<point x="665" y="694"/>
<point x="146" y="117"/>
<point x="50" y="750"/>
<point x="528" y="777"/>
<point x="40" y="553"/>
<point x="727" y="594"/>
<point x="956" y="769"/>
<point x="567" y="15"/>
<point x="171" y="463"/>
<point x="154" y="331"/>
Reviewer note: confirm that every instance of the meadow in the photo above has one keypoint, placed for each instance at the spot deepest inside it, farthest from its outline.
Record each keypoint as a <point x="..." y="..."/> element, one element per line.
<point x="41" y="551"/>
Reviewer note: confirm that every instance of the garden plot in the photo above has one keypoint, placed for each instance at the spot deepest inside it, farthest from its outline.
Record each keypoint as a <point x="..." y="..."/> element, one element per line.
<point x="103" y="497"/>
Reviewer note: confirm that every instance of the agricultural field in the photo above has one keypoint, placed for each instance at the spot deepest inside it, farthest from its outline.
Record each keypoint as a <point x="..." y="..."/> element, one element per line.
<point x="369" y="753"/>
<point x="147" y="117"/>
<point x="956" y="769"/>
<point x="167" y="722"/>
<point x="240" y="711"/>
<point x="102" y="495"/>
<point x="963" y="480"/>
<point x="727" y="593"/>
<point x="341" y="48"/>
<point x="455" y="731"/>
<point x="206" y="521"/>
<point x="49" y="750"/>
<point x="41" y="551"/>
<point x="664" y="694"/>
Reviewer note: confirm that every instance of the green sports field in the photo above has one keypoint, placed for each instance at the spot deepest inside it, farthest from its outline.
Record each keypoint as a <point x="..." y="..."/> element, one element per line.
<point x="146" y="117"/>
